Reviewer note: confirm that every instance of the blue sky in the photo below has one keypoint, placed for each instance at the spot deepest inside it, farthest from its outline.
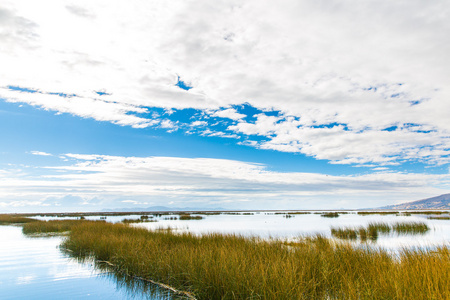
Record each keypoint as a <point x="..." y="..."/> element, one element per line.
<point x="181" y="104"/>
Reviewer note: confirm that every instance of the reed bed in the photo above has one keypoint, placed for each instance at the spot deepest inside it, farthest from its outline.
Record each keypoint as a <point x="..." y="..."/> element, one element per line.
<point x="37" y="226"/>
<point x="185" y="217"/>
<point x="374" y="229"/>
<point x="6" y="219"/>
<point x="438" y="217"/>
<point x="429" y="212"/>
<point x="380" y="227"/>
<point x="330" y="215"/>
<point x="142" y="219"/>
<point x="216" y="266"/>
<point x="364" y="213"/>
<point x="410" y="227"/>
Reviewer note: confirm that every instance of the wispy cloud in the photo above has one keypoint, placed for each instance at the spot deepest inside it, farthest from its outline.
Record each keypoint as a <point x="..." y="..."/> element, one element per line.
<point x="40" y="153"/>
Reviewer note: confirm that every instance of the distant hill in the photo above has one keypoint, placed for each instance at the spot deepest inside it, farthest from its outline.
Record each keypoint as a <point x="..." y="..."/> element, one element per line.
<point x="439" y="202"/>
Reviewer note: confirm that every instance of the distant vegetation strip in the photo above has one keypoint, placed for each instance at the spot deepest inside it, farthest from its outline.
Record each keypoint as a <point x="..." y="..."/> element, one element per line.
<point x="6" y="219"/>
<point x="216" y="266"/>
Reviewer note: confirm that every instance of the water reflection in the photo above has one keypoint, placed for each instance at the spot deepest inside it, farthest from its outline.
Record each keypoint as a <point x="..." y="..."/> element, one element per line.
<point x="35" y="268"/>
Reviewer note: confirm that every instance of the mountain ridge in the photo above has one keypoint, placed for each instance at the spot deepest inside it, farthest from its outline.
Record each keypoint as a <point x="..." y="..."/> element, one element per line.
<point x="437" y="202"/>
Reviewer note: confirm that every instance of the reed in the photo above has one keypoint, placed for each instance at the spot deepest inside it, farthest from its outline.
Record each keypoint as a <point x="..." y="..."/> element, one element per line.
<point x="410" y="227"/>
<point x="364" y="213"/>
<point x="142" y="219"/>
<point x="428" y="212"/>
<point x="215" y="266"/>
<point x="129" y="221"/>
<point x="330" y="215"/>
<point x="344" y="233"/>
<point x="438" y="217"/>
<point x="379" y="227"/>
<point x="6" y="219"/>
<point x="185" y="217"/>
<point x="375" y="228"/>
<point x="51" y="226"/>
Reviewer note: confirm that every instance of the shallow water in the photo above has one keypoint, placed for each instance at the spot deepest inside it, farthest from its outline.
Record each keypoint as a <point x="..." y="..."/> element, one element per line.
<point x="35" y="268"/>
<point x="276" y="225"/>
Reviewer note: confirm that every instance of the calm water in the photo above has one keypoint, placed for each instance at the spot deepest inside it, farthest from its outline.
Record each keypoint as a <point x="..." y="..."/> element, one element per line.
<point x="35" y="268"/>
<point x="275" y="225"/>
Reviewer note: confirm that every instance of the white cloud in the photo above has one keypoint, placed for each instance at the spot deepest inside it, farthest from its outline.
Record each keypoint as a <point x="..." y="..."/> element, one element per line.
<point x="101" y="181"/>
<point x="40" y="153"/>
<point x="229" y="113"/>
<point x="367" y="65"/>
<point x="199" y="123"/>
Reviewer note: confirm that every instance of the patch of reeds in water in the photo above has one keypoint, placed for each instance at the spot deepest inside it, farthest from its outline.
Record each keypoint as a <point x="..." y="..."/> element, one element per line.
<point x="410" y="227"/>
<point x="6" y="219"/>
<point x="374" y="229"/>
<point x="216" y="266"/>
<point x="185" y="217"/>
<point x="38" y="227"/>
<point x="428" y="212"/>
<point x="438" y="217"/>
<point x="142" y="219"/>
<point x="365" y="213"/>
<point x="330" y="215"/>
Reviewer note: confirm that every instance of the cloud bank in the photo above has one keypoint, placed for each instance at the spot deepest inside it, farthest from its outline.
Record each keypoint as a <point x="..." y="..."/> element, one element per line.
<point x="93" y="182"/>
<point x="352" y="83"/>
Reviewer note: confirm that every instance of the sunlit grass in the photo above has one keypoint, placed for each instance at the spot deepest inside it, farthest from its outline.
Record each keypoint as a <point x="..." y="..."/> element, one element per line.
<point x="215" y="266"/>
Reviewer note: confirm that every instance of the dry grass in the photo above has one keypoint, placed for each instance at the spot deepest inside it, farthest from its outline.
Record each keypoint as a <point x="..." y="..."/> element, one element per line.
<point x="218" y="266"/>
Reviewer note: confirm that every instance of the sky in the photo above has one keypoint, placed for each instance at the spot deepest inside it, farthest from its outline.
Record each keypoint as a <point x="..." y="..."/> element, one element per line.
<point x="223" y="104"/>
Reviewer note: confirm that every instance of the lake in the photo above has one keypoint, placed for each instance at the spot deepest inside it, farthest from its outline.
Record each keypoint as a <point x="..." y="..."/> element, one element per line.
<point x="35" y="267"/>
